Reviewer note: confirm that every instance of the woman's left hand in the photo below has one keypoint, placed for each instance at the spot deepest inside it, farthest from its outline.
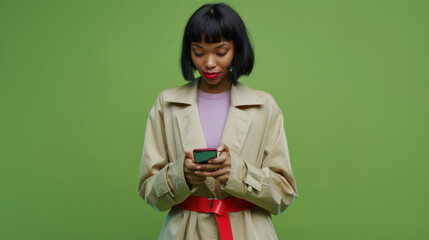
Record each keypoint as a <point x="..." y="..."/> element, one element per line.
<point x="218" y="168"/>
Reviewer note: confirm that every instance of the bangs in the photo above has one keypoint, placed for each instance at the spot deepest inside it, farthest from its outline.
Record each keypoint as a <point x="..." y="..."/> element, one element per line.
<point x="211" y="26"/>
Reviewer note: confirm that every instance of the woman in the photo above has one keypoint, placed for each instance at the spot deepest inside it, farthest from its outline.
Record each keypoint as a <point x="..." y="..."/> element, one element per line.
<point x="234" y="194"/>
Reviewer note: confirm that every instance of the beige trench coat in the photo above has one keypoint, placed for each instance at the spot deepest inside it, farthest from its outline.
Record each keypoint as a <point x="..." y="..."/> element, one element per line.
<point x="260" y="168"/>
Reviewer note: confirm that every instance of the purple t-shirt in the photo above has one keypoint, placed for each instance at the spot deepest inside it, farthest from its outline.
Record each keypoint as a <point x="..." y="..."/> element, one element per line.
<point x="213" y="110"/>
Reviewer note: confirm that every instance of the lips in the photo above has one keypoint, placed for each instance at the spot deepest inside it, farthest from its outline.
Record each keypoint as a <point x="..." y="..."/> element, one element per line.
<point x="211" y="75"/>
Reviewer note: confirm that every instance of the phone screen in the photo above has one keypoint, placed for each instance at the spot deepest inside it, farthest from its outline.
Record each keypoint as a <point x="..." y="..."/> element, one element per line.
<point x="203" y="155"/>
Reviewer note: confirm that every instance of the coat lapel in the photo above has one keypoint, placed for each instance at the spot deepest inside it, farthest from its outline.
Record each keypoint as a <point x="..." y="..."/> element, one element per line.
<point x="191" y="133"/>
<point x="238" y="122"/>
<point x="236" y="128"/>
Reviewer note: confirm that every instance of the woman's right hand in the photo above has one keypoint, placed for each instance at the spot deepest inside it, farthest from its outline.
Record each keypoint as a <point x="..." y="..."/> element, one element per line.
<point x="189" y="168"/>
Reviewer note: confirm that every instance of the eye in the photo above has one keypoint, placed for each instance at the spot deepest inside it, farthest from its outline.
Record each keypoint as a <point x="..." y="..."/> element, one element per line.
<point x="198" y="54"/>
<point x="222" y="54"/>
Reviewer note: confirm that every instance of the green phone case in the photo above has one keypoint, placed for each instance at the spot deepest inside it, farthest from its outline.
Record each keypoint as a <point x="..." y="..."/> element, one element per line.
<point x="204" y="156"/>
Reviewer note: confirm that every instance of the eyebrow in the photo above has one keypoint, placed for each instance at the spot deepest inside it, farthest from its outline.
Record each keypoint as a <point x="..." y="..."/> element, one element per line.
<point x="199" y="46"/>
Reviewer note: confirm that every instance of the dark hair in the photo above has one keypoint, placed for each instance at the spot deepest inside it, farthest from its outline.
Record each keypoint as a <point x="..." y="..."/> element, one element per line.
<point x="216" y="22"/>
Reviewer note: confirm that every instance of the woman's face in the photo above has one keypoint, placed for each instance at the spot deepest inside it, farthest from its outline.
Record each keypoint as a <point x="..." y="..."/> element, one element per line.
<point x="212" y="61"/>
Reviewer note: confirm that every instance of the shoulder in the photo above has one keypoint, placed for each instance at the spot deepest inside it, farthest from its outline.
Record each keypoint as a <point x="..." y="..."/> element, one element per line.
<point x="169" y="91"/>
<point x="177" y="90"/>
<point x="267" y="99"/>
<point x="270" y="109"/>
<point x="174" y="94"/>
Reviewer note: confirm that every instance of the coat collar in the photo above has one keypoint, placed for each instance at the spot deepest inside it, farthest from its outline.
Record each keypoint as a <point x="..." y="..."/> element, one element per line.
<point x="241" y="95"/>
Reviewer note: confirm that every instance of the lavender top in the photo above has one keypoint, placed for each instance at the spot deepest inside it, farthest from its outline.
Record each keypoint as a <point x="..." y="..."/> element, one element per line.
<point x="213" y="110"/>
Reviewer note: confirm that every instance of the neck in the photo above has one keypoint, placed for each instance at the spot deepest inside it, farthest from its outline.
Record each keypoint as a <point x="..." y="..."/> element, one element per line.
<point x="222" y="86"/>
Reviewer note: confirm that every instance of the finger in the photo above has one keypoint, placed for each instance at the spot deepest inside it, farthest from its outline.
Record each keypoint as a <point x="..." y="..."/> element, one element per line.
<point x="189" y="154"/>
<point x="222" y="158"/>
<point x="189" y="164"/>
<point x="223" y="148"/>
<point x="215" y="173"/>
<point x="201" y="167"/>
<point x="208" y="166"/>
<point x="191" y="175"/>
<point x="222" y="178"/>
<point x="210" y="173"/>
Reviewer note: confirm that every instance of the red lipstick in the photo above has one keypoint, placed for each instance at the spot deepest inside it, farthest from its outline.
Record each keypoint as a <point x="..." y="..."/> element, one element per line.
<point x="211" y="75"/>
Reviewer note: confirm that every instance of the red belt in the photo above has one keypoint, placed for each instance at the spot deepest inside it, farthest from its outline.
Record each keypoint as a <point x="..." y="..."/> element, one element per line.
<point x="220" y="208"/>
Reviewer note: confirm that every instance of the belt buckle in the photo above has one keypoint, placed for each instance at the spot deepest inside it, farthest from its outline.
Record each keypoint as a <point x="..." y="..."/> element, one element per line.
<point x="211" y="202"/>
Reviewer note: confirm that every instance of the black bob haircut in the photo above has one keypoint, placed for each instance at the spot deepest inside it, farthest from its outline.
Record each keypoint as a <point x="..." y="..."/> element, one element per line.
<point x="216" y="22"/>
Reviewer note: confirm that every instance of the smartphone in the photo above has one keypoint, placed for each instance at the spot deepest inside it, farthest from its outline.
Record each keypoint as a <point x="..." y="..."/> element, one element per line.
<point x="203" y="155"/>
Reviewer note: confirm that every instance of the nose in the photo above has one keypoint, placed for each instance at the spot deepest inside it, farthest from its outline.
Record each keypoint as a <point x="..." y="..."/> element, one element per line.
<point x="210" y="62"/>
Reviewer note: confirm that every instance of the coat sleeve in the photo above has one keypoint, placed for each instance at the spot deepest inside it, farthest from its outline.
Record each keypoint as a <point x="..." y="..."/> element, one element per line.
<point x="271" y="186"/>
<point x="162" y="182"/>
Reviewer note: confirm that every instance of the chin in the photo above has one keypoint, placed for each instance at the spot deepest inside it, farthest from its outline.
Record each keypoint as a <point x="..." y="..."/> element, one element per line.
<point x="212" y="82"/>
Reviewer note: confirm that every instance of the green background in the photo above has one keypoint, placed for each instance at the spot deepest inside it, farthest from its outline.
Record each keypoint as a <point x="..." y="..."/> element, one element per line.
<point x="78" y="78"/>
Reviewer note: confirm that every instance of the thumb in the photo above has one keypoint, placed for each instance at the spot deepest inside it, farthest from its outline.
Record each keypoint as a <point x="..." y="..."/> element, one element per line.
<point x="223" y="148"/>
<point x="189" y="154"/>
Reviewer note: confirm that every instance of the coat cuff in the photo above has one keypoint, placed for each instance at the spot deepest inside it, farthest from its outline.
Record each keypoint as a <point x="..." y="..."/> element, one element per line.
<point x="243" y="178"/>
<point x="175" y="175"/>
<point x="235" y="185"/>
<point x="253" y="178"/>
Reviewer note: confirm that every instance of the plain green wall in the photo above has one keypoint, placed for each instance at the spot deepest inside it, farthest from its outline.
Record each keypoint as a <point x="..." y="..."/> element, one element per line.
<point x="78" y="78"/>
